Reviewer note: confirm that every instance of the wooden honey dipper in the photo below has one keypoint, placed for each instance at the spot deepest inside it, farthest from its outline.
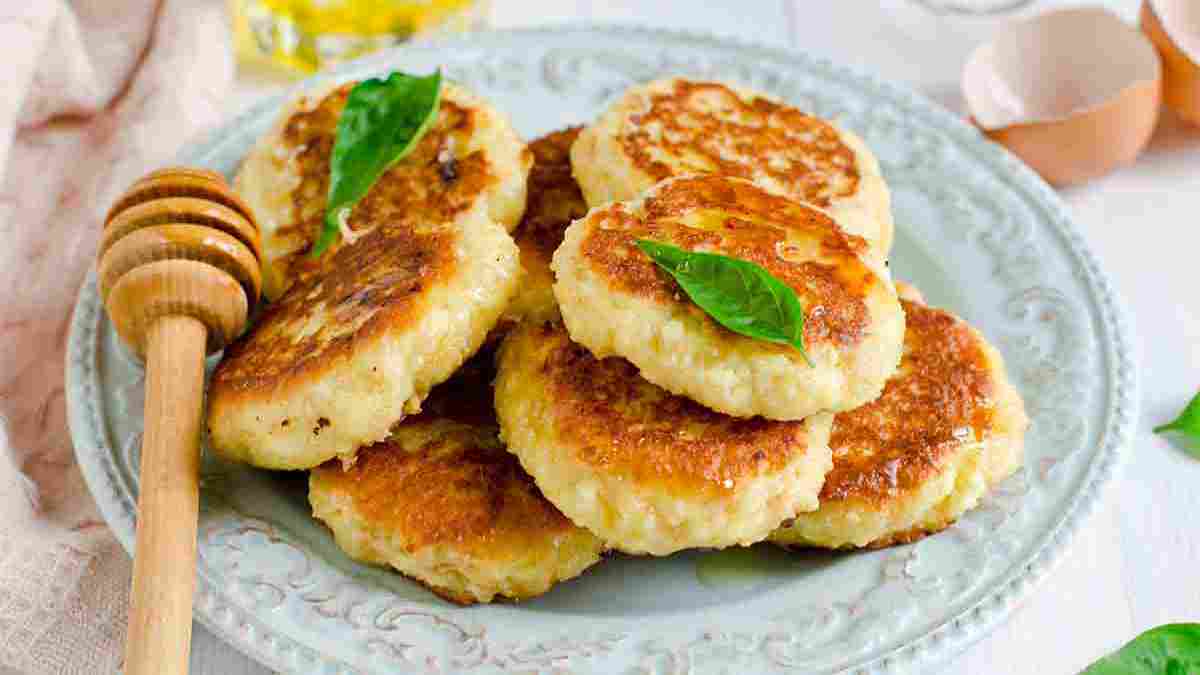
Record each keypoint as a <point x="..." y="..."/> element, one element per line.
<point x="179" y="271"/>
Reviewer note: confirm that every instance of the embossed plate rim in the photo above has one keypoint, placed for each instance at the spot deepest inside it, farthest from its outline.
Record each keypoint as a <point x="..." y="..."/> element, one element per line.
<point x="250" y="635"/>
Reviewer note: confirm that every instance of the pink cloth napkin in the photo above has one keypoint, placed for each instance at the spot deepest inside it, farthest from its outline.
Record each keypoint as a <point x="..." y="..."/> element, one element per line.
<point x="96" y="92"/>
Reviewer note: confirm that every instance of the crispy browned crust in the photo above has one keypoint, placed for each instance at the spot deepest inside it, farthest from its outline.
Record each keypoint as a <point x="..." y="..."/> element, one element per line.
<point x="428" y="185"/>
<point x="940" y="397"/>
<point x="466" y="491"/>
<point x="462" y="599"/>
<point x="621" y="424"/>
<point x="459" y="487"/>
<point x="738" y="219"/>
<point x="819" y="167"/>
<point x="553" y="199"/>
<point x="375" y="285"/>
<point x="910" y="536"/>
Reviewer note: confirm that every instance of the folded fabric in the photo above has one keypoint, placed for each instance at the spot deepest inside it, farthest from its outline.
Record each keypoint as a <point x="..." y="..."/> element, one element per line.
<point x="97" y="92"/>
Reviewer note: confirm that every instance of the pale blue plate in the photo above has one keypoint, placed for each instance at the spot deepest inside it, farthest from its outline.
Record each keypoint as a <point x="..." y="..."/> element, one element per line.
<point x="976" y="231"/>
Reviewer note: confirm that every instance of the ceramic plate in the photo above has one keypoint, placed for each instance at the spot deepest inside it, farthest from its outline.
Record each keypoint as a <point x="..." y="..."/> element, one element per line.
<point x="976" y="231"/>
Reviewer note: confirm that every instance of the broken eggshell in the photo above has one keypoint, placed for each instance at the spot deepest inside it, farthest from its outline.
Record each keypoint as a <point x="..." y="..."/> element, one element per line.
<point x="1074" y="93"/>
<point x="1174" y="28"/>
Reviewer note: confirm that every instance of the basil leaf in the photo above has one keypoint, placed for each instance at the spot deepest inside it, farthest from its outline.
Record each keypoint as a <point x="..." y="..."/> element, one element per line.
<point x="1187" y="424"/>
<point x="738" y="294"/>
<point x="381" y="123"/>
<point x="1167" y="650"/>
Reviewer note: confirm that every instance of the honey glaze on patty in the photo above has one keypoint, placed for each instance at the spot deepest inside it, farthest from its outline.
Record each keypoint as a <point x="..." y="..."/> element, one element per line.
<point x="799" y="245"/>
<point x="357" y="289"/>
<point x="706" y="127"/>
<point x="443" y="476"/>
<point x="365" y="289"/>
<point x="619" y="422"/>
<point x="940" y="399"/>
<point x="432" y="183"/>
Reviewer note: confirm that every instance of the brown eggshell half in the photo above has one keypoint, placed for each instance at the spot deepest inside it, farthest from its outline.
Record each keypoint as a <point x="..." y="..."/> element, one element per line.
<point x="1074" y="93"/>
<point x="1174" y="28"/>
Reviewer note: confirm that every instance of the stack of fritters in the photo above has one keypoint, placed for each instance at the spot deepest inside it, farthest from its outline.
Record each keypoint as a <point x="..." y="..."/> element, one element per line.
<point x="346" y="355"/>
<point x="640" y="424"/>
<point x="355" y="339"/>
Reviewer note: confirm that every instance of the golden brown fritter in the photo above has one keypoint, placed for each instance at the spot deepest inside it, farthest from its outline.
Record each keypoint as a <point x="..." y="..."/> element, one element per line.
<point x="442" y="501"/>
<point x="947" y="426"/>
<point x="378" y="285"/>
<point x="469" y="154"/>
<point x="364" y="331"/>
<point x="737" y="219"/>
<point x="429" y="185"/>
<point x="646" y="470"/>
<point x="676" y="127"/>
<point x="644" y="433"/>
<point x="940" y="395"/>
<point x="745" y="138"/>
<point x="616" y="301"/>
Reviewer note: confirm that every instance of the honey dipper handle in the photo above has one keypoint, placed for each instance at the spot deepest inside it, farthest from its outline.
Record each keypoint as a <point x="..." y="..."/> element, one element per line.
<point x="164" y="568"/>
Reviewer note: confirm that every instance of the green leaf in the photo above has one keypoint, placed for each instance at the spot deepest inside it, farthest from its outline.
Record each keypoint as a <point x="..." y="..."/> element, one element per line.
<point x="1187" y="424"/>
<point x="738" y="294"/>
<point x="381" y="123"/>
<point x="1167" y="650"/>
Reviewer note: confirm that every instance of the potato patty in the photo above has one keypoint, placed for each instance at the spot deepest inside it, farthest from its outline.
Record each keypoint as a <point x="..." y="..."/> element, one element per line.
<point x="647" y="471"/>
<point x="442" y="502"/>
<point x="469" y="154"/>
<point x="948" y="426"/>
<point x="676" y="126"/>
<point x="615" y="301"/>
<point x="363" y="332"/>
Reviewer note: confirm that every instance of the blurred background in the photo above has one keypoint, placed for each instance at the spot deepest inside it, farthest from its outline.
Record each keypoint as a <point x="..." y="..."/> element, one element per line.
<point x="98" y="91"/>
<point x="923" y="42"/>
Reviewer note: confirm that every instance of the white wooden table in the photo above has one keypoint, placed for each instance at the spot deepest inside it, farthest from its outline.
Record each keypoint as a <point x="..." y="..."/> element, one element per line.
<point x="1135" y="565"/>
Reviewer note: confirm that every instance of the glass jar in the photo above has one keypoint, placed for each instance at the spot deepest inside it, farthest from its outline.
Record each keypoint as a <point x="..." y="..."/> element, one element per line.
<point x="307" y="35"/>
